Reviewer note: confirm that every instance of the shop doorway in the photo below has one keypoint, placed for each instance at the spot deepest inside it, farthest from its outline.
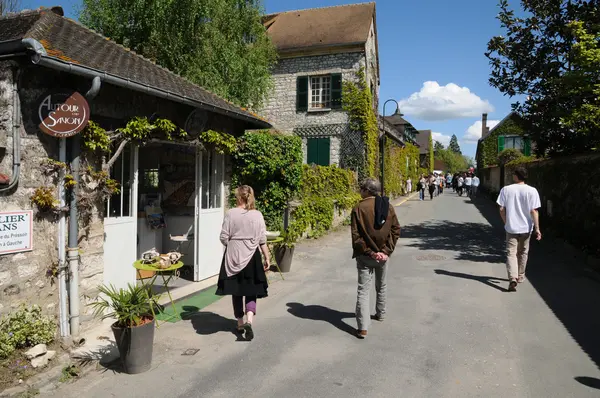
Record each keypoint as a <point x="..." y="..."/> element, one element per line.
<point x="120" y="222"/>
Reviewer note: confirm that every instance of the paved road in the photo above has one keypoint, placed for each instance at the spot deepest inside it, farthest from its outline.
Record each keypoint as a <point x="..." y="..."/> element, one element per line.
<point x="451" y="330"/>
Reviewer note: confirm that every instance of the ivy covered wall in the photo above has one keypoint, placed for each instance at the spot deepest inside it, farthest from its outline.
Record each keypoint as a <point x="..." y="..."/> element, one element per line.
<point x="399" y="165"/>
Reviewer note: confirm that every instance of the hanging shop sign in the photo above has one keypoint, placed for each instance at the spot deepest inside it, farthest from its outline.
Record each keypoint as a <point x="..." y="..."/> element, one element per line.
<point x="196" y="123"/>
<point x="63" y="114"/>
<point x="16" y="231"/>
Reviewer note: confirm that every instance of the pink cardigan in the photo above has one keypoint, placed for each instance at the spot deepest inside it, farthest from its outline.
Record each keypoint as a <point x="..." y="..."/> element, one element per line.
<point x="243" y="232"/>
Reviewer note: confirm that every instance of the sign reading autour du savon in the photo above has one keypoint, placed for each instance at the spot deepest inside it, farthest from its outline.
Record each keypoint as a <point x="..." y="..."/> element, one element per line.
<point x="16" y="231"/>
<point x="63" y="114"/>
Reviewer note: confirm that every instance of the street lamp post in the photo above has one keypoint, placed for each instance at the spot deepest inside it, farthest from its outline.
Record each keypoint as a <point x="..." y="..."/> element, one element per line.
<point x="382" y="146"/>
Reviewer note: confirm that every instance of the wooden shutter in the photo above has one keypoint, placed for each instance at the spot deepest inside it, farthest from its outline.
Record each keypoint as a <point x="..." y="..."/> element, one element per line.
<point x="527" y="146"/>
<point x="312" y="151"/>
<point x="324" y="145"/>
<point x="336" y="91"/>
<point x="500" y="143"/>
<point x="302" y="93"/>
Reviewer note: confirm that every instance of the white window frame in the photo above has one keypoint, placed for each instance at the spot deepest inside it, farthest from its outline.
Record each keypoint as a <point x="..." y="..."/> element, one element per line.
<point x="319" y="98"/>
<point x="513" y="139"/>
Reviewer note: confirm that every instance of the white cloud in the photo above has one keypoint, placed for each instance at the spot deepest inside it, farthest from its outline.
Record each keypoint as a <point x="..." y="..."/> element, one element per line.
<point x="473" y="133"/>
<point x="435" y="102"/>
<point x="442" y="138"/>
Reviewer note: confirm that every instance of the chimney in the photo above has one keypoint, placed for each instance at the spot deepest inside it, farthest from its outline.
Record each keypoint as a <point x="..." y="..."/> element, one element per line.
<point x="484" y="128"/>
<point x="58" y="10"/>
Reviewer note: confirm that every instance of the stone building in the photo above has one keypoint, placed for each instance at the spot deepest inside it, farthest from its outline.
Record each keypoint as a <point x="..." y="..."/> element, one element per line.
<point x="43" y="52"/>
<point x="318" y="50"/>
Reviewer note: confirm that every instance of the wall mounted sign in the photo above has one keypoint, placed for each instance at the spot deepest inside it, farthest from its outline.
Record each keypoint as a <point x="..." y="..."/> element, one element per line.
<point x="63" y="114"/>
<point x="16" y="231"/>
<point x="196" y="122"/>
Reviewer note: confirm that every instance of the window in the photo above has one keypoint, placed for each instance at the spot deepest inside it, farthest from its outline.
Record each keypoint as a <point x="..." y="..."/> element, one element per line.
<point x="318" y="151"/>
<point x="513" y="143"/>
<point x="319" y="92"/>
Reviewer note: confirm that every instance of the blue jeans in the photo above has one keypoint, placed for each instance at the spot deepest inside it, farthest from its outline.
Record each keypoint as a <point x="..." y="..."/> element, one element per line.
<point x="422" y="194"/>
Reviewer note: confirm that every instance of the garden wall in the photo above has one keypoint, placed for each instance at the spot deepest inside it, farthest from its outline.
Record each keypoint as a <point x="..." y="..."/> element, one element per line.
<point x="570" y="197"/>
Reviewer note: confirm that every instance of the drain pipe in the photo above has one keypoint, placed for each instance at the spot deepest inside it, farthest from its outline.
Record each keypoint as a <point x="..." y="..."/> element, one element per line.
<point x="16" y="119"/>
<point x="73" y="222"/>
<point x="62" y="264"/>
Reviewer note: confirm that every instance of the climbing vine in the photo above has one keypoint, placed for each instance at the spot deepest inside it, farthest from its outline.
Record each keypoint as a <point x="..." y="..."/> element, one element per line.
<point x="400" y="164"/>
<point x="322" y="189"/>
<point x="358" y="102"/>
<point x="271" y="163"/>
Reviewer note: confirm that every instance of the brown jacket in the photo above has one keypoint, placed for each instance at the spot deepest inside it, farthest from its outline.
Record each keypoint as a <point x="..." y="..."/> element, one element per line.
<point x="365" y="238"/>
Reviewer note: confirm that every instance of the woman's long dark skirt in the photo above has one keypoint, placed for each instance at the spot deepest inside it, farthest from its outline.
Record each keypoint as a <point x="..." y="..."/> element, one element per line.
<point x="251" y="281"/>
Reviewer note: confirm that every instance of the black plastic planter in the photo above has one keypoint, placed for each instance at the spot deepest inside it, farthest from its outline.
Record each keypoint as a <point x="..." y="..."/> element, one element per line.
<point x="284" y="256"/>
<point x="135" y="347"/>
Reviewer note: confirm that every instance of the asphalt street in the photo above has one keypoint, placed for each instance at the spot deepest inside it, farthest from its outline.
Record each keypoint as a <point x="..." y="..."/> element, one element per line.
<point x="452" y="329"/>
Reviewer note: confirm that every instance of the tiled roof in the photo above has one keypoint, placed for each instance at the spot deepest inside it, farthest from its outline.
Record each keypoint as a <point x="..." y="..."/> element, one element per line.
<point x="67" y="40"/>
<point x="423" y="140"/>
<point x="321" y="27"/>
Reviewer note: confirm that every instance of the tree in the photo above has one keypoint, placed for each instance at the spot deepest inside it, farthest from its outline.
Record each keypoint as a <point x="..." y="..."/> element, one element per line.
<point x="454" y="147"/>
<point x="219" y="44"/>
<point x="454" y="161"/>
<point x="438" y="146"/>
<point x="551" y="56"/>
<point x="7" y="6"/>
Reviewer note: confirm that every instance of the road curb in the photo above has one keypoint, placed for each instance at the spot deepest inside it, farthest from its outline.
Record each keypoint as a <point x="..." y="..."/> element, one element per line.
<point x="399" y="202"/>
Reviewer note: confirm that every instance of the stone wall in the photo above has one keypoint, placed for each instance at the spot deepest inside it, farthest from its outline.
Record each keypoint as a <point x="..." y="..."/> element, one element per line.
<point x="490" y="179"/>
<point x="280" y="108"/>
<point x="372" y="63"/>
<point x="23" y="276"/>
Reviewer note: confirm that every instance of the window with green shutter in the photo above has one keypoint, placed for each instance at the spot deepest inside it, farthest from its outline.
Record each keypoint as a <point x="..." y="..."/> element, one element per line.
<point x="527" y="146"/>
<point x="318" y="151"/>
<point x="500" y="143"/>
<point x="302" y="93"/>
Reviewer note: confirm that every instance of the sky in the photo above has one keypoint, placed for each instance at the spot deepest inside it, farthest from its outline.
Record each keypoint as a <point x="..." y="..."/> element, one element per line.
<point x="432" y="61"/>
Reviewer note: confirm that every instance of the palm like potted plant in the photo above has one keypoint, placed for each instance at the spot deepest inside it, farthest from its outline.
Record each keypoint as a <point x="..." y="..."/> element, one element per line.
<point x="133" y="308"/>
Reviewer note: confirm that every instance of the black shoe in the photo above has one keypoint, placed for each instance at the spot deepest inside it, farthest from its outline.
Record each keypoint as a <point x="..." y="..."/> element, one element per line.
<point x="249" y="331"/>
<point x="378" y="318"/>
<point x="512" y="286"/>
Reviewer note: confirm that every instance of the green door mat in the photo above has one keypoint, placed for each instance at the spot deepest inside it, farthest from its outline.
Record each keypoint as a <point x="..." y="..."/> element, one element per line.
<point x="185" y="308"/>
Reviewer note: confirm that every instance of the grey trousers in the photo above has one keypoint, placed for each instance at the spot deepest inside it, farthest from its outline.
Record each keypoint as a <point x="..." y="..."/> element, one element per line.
<point x="366" y="268"/>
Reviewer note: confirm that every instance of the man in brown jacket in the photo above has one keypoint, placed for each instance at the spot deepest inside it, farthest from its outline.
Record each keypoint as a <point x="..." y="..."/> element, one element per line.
<point x="375" y="231"/>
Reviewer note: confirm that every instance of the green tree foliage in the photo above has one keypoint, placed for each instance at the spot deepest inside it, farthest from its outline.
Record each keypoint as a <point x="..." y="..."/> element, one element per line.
<point x="554" y="61"/>
<point x="454" y="147"/>
<point x="438" y="146"/>
<point x="219" y="44"/>
<point x="455" y="162"/>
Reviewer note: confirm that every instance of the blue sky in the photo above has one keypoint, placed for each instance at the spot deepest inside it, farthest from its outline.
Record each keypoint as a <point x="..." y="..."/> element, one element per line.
<point x="432" y="60"/>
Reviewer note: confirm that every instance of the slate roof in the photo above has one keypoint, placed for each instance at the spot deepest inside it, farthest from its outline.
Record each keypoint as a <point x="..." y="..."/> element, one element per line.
<point x="69" y="41"/>
<point x="320" y="27"/>
<point x="423" y="140"/>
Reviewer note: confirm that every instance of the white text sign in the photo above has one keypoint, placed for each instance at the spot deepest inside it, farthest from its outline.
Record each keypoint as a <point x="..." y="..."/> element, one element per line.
<point x="16" y="231"/>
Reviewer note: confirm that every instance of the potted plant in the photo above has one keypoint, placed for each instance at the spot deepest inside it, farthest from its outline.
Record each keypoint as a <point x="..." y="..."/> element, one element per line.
<point x="133" y="308"/>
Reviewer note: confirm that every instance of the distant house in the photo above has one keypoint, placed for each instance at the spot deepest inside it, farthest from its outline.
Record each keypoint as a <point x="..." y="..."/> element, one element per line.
<point x="508" y="134"/>
<point x="318" y="50"/>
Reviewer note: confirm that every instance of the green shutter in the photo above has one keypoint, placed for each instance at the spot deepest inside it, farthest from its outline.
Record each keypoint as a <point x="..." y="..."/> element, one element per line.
<point x="527" y="146"/>
<point x="312" y="151"/>
<point x="336" y="91"/>
<point x="324" y="145"/>
<point x="302" y="93"/>
<point x="500" y="143"/>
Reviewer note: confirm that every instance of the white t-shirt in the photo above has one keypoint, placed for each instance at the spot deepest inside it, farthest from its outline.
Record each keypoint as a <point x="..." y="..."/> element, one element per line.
<point x="468" y="181"/>
<point x="519" y="200"/>
<point x="460" y="181"/>
<point x="475" y="181"/>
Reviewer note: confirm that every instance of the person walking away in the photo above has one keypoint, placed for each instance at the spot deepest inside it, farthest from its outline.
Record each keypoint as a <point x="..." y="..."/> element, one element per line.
<point x="408" y="186"/>
<point x="441" y="183"/>
<point x="459" y="185"/>
<point x="242" y="271"/>
<point x="448" y="180"/>
<point x="474" y="186"/>
<point x="468" y="184"/>
<point x="375" y="231"/>
<point x="422" y="187"/>
<point x="432" y="187"/>
<point x="519" y="204"/>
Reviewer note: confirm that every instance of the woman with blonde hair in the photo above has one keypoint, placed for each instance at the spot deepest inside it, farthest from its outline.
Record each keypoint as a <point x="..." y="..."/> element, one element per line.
<point x="242" y="271"/>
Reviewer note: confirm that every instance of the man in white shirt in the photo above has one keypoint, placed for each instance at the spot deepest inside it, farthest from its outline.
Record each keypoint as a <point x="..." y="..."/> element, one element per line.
<point x="474" y="186"/>
<point x="468" y="184"/>
<point x="518" y="208"/>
